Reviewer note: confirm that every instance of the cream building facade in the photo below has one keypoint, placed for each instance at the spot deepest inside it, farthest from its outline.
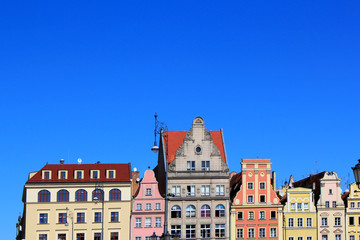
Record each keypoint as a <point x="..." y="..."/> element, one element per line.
<point x="353" y="213"/>
<point x="300" y="214"/>
<point x="78" y="201"/>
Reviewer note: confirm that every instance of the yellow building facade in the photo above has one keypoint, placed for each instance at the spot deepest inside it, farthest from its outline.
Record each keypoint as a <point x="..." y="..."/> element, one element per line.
<point x="300" y="221"/>
<point x="78" y="201"/>
<point x="353" y="213"/>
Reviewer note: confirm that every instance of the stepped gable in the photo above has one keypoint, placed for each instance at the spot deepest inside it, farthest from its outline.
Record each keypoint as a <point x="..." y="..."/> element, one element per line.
<point x="176" y="139"/>
<point x="309" y="182"/>
<point x="235" y="184"/>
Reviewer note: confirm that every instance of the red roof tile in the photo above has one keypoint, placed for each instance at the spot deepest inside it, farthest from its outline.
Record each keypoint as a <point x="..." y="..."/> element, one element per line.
<point x="122" y="173"/>
<point x="176" y="138"/>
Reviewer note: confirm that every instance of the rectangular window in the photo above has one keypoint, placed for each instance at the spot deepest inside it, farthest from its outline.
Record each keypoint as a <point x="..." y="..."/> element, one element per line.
<point x="80" y="217"/>
<point x="352" y="205"/>
<point x="114" y="236"/>
<point x="138" y="206"/>
<point x="300" y="238"/>
<point x="240" y="233"/>
<point x="205" y="231"/>
<point x="262" y="185"/>
<point x="262" y="198"/>
<point x="291" y="238"/>
<point x="205" y="190"/>
<point x="114" y="217"/>
<point x="292" y="206"/>
<point x="190" y="190"/>
<point x="273" y="232"/>
<point x="262" y="215"/>
<point x="148" y="206"/>
<point x="62" y="175"/>
<point x="80" y="236"/>
<point x="43" y="218"/>
<point x="308" y="238"/>
<point x="205" y="165"/>
<point x="157" y="206"/>
<point x="337" y="221"/>
<point x="111" y="174"/>
<point x="309" y="222"/>
<point x="42" y="236"/>
<point x="61" y="236"/>
<point x="251" y="215"/>
<point x="176" y="230"/>
<point x="240" y="216"/>
<point x="306" y="206"/>
<point x="250" y="199"/>
<point x="62" y="217"/>
<point x="148" y="222"/>
<point x="190" y="231"/>
<point x="79" y="175"/>
<point x="334" y="204"/>
<point x="250" y="185"/>
<point x="251" y="233"/>
<point x="148" y="192"/>
<point x="299" y="206"/>
<point x="219" y="230"/>
<point x="97" y="217"/>
<point x="138" y="223"/>
<point x="291" y="222"/>
<point x="351" y="221"/>
<point x="97" y="236"/>
<point x="95" y="174"/>
<point x="327" y="204"/>
<point x="46" y="175"/>
<point x="300" y="222"/>
<point x="273" y="215"/>
<point x="337" y="237"/>
<point x="352" y="237"/>
<point x="324" y="221"/>
<point x="358" y="205"/>
<point x="157" y="221"/>
<point x="220" y="190"/>
<point x="191" y="165"/>
<point x="137" y="238"/>
<point x="262" y="233"/>
<point x="176" y="190"/>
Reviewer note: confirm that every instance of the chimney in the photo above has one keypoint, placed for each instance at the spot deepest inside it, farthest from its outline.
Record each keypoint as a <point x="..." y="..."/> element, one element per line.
<point x="135" y="180"/>
<point x="61" y="161"/>
<point x="274" y="180"/>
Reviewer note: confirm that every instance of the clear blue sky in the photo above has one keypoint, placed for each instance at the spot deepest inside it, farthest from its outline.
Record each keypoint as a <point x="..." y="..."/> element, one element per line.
<point x="84" y="78"/>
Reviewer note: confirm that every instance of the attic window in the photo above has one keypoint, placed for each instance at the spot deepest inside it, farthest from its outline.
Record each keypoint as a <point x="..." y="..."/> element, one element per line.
<point x="79" y="174"/>
<point x="62" y="174"/>
<point x="46" y="175"/>
<point x="110" y="174"/>
<point x="95" y="174"/>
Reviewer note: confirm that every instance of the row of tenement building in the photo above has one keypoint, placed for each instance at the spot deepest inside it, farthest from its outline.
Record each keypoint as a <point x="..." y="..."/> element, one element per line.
<point x="204" y="200"/>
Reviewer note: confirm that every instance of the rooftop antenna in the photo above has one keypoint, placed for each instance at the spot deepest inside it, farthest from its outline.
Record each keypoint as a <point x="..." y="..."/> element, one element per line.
<point x="316" y="171"/>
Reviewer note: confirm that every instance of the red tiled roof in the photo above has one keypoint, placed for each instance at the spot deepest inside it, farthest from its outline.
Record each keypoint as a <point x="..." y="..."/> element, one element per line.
<point x="176" y="138"/>
<point x="122" y="173"/>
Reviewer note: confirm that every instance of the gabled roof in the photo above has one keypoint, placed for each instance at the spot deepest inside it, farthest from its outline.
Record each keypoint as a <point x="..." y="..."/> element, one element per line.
<point x="176" y="139"/>
<point x="309" y="182"/>
<point x="235" y="184"/>
<point x="122" y="173"/>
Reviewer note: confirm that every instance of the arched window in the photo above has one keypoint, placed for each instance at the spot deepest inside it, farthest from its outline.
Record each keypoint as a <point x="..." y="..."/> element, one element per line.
<point x="190" y="211"/>
<point x="205" y="211"/>
<point x="115" y="195"/>
<point x="220" y="211"/>
<point x="44" y="196"/>
<point x="81" y="195"/>
<point x="98" y="195"/>
<point x="63" y="195"/>
<point x="176" y="212"/>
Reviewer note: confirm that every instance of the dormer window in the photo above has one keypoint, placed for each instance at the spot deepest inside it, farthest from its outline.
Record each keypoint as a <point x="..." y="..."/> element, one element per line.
<point x="79" y="174"/>
<point x="110" y="174"/>
<point x="95" y="174"/>
<point x="46" y="175"/>
<point x="62" y="174"/>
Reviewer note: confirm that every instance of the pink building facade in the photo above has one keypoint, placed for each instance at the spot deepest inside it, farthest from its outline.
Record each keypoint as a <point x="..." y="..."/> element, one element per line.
<point x="148" y="209"/>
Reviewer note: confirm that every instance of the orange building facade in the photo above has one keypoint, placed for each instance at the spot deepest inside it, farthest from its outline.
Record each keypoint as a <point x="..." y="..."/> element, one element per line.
<point x="256" y="211"/>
